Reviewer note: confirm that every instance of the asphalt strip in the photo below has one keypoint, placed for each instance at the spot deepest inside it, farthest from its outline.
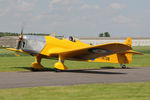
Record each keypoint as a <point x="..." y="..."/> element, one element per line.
<point x="73" y="77"/>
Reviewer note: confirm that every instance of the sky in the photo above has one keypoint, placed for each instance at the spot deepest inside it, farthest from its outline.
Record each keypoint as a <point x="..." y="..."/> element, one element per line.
<point x="86" y="18"/>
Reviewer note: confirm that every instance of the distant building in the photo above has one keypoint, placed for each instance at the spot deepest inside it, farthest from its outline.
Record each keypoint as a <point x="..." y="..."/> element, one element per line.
<point x="136" y="41"/>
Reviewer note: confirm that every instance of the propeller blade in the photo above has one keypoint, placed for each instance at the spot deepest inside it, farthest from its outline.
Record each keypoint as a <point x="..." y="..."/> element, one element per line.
<point x="21" y="35"/>
<point x="20" y="38"/>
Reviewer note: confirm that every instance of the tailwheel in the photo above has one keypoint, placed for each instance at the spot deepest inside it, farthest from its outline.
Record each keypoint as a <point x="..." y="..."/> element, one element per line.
<point x="123" y="66"/>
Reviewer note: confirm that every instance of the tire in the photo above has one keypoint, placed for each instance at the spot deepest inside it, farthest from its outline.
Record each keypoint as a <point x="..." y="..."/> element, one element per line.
<point x="124" y="67"/>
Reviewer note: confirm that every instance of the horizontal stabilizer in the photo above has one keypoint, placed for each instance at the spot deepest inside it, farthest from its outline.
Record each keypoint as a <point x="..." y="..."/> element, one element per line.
<point x="134" y="52"/>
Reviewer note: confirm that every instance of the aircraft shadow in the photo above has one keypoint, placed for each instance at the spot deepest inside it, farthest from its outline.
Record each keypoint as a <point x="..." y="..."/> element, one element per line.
<point x="110" y="67"/>
<point x="89" y="71"/>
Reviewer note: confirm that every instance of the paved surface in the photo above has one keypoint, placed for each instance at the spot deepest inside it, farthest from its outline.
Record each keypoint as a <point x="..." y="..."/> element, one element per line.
<point x="73" y="77"/>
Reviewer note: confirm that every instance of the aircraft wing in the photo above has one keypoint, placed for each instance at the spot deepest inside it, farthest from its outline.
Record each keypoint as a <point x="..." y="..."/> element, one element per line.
<point x="92" y="52"/>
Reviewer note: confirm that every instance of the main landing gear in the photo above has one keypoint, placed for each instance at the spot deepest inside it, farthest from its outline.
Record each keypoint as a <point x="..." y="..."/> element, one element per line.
<point x="123" y="66"/>
<point x="59" y="66"/>
<point x="36" y="66"/>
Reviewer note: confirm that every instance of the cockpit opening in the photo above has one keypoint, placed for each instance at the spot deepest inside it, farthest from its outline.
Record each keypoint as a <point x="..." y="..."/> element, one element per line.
<point x="71" y="39"/>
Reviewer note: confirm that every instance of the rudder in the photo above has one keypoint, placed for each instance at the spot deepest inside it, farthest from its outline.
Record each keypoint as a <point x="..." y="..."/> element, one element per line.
<point x="128" y="41"/>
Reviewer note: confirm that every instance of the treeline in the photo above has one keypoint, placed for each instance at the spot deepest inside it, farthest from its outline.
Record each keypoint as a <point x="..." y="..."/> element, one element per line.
<point x="17" y="34"/>
<point x="105" y="34"/>
<point x="8" y="34"/>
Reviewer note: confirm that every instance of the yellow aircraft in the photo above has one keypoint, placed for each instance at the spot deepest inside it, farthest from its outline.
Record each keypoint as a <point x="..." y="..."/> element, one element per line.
<point x="61" y="48"/>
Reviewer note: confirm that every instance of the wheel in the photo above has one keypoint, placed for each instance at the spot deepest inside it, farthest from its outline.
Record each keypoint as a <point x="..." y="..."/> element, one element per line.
<point x="123" y="66"/>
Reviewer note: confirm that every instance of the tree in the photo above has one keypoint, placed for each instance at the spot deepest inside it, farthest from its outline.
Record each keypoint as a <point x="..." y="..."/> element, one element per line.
<point x="101" y="35"/>
<point x="106" y="34"/>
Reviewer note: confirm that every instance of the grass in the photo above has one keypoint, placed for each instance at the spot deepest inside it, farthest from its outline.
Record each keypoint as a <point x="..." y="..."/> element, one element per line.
<point x="113" y="91"/>
<point x="143" y="49"/>
<point x="8" y="53"/>
<point x="9" y="62"/>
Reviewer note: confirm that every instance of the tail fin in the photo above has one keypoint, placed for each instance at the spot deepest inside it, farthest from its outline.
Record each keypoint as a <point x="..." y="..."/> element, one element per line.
<point x="128" y="42"/>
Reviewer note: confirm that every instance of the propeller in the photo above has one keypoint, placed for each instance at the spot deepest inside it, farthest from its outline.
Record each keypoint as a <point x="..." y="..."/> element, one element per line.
<point x="21" y="35"/>
<point x="19" y="41"/>
<point x="20" y="38"/>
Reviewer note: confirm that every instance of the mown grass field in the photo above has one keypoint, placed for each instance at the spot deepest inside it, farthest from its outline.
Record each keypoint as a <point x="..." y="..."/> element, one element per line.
<point x="113" y="91"/>
<point x="9" y="62"/>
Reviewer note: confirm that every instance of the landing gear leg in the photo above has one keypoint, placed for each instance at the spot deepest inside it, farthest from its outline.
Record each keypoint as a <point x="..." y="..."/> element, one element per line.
<point x="59" y="66"/>
<point x="36" y="66"/>
<point x="123" y="66"/>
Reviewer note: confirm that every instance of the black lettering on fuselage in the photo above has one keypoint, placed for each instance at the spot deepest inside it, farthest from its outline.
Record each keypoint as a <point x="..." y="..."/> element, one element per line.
<point x="106" y="58"/>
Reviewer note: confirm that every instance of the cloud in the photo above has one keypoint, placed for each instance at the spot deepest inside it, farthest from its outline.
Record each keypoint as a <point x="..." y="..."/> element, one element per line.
<point x="4" y="7"/>
<point x="86" y="6"/>
<point x="62" y="2"/>
<point x="52" y="2"/>
<point x="147" y="11"/>
<point x="122" y="19"/>
<point x="16" y="7"/>
<point x="59" y="4"/>
<point x="116" y="6"/>
<point x="23" y="5"/>
<point x="4" y="11"/>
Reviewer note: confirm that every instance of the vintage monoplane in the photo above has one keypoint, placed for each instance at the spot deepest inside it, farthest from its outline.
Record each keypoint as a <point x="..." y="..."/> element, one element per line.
<point x="61" y="48"/>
